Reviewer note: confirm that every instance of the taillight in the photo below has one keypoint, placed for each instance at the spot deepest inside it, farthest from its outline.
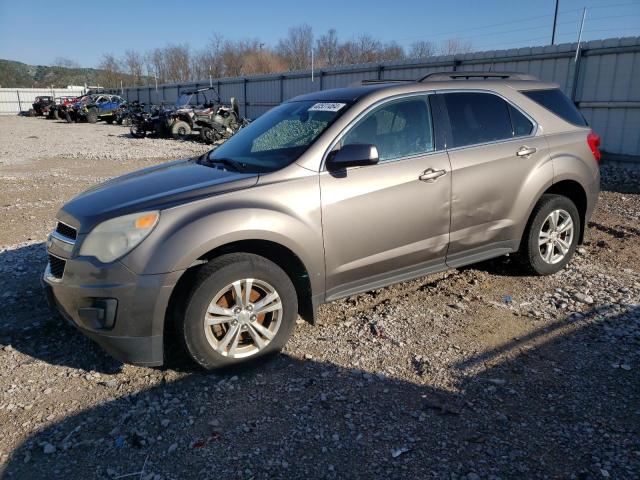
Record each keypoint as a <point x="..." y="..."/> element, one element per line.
<point x="593" y="140"/>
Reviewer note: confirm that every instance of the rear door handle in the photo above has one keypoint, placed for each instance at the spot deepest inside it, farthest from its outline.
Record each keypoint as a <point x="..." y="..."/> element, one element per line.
<point x="525" y="151"/>
<point x="430" y="175"/>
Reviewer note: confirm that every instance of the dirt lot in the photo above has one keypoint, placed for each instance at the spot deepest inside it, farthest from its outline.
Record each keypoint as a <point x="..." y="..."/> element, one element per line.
<point x="472" y="373"/>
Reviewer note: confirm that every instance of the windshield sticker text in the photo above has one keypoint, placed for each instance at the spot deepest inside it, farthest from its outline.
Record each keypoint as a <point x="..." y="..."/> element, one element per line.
<point x="326" y="107"/>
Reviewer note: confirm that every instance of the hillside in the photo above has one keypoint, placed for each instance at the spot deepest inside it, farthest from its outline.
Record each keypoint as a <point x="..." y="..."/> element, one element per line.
<point x="17" y="74"/>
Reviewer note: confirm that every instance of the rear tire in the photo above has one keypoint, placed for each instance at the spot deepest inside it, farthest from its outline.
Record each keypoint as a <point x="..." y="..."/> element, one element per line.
<point x="137" y="131"/>
<point x="218" y="325"/>
<point x="92" y="115"/>
<point x="180" y="130"/>
<point x="551" y="236"/>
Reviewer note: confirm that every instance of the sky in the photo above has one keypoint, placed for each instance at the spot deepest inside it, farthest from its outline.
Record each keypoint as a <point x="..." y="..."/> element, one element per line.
<point x="84" y="30"/>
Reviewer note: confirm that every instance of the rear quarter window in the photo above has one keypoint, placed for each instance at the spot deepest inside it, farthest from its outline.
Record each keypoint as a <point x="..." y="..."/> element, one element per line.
<point x="558" y="103"/>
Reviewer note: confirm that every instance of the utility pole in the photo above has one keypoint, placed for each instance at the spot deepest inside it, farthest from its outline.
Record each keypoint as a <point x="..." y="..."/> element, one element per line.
<point x="555" y="21"/>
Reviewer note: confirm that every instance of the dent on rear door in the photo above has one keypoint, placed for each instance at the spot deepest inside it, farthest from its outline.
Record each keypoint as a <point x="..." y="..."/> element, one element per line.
<point x="492" y="190"/>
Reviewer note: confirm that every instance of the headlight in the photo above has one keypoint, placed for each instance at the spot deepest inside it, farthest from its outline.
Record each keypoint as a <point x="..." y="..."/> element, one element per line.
<point x="116" y="237"/>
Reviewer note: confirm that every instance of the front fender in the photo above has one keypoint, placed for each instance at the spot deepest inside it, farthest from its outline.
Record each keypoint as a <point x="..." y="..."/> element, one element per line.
<point x="290" y="217"/>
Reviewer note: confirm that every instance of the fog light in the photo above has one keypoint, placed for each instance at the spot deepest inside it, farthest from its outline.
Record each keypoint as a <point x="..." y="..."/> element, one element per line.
<point x="101" y="315"/>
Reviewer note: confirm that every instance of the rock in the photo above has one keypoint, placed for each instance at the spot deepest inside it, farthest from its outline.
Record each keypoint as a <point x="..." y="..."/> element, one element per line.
<point x="172" y="448"/>
<point x="582" y="298"/>
<point x="164" y="422"/>
<point x="396" y="452"/>
<point x="48" y="448"/>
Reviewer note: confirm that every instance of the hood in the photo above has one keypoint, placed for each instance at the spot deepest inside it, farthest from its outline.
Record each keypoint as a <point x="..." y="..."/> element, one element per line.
<point x="153" y="188"/>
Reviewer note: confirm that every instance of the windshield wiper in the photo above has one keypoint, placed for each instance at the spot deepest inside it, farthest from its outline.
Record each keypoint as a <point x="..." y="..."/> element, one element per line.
<point x="229" y="163"/>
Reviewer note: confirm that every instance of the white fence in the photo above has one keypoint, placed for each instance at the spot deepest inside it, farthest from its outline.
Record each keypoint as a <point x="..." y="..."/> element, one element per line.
<point x="16" y="100"/>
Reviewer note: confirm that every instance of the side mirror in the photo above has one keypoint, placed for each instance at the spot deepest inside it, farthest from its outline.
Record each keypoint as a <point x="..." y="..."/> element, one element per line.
<point x="352" y="155"/>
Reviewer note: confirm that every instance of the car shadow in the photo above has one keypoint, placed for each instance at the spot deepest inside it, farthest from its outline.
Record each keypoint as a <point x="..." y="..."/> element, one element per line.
<point x="559" y="402"/>
<point x="29" y="326"/>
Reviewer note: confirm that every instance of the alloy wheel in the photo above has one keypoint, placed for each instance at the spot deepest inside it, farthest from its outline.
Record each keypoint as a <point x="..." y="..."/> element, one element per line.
<point x="556" y="236"/>
<point x="243" y="318"/>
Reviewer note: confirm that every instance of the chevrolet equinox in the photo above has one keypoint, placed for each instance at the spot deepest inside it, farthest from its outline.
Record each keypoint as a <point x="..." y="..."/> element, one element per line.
<point x="327" y="195"/>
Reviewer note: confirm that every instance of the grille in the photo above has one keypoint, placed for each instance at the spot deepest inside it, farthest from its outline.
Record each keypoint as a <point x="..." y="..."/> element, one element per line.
<point x="56" y="266"/>
<point x="66" y="230"/>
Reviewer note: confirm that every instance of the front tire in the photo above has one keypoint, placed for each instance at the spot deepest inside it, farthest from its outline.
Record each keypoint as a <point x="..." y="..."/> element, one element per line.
<point x="208" y="135"/>
<point x="180" y="130"/>
<point x="242" y="307"/>
<point x="551" y="236"/>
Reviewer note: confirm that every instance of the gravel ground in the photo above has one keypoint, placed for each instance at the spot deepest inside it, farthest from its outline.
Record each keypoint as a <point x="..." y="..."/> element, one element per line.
<point x="475" y="373"/>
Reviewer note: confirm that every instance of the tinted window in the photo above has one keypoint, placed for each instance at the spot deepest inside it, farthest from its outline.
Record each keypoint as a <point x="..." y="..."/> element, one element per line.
<point x="558" y="103"/>
<point x="522" y="126"/>
<point x="400" y="128"/>
<point x="477" y="118"/>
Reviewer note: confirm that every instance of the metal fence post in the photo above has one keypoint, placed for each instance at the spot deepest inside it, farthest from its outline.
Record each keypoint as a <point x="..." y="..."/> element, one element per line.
<point x="282" y="88"/>
<point x="576" y="75"/>
<point x="245" y="96"/>
<point x="19" y="102"/>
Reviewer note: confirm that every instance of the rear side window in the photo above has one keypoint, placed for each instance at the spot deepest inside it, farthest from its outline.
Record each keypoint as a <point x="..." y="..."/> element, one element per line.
<point x="558" y="103"/>
<point x="522" y="126"/>
<point x="477" y="118"/>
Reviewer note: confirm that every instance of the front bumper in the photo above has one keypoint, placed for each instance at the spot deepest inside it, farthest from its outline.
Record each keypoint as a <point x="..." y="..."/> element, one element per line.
<point x="120" y="310"/>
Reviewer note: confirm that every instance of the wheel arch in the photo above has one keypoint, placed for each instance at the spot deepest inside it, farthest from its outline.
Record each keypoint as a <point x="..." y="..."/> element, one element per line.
<point x="275" y="252"/>
<point x="575" y="192"/>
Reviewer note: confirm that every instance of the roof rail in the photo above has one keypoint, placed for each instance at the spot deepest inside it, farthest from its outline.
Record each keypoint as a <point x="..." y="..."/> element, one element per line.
<point x="436" y="76"/>
<point x="374" y="81"/>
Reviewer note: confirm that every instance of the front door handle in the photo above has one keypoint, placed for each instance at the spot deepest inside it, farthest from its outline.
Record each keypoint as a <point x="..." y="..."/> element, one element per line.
<point x="525" y="151"/>
<point x="430" y="175"/>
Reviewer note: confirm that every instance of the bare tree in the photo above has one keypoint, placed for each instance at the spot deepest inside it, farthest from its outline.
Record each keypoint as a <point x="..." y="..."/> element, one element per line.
<point x="366" y="49"/>
<point x="453" y="46"/>
<point x="422" y="49"/>
<point x="110" y="71"/>
<point x="134" y="62"/>
<point x="177" y="63"/>
<point x="156" y="65"/>
<point x="328" y="49"/>
<point x="295" y="49"/>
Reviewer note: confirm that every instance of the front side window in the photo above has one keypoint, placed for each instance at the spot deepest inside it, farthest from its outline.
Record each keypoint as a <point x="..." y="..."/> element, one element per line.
<point x="280" y="136"/>
<point x="400" y="128"/>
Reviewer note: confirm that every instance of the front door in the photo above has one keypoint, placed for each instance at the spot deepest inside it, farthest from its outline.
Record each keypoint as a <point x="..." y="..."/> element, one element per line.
<point x="387" y="222"/>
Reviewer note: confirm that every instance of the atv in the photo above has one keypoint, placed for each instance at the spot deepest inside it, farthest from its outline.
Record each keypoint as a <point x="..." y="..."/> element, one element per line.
<point x="180" y="121"/>
<point x="144" y="123"/>
<point x="223" y="124"/>
<point x="42" y="104"/>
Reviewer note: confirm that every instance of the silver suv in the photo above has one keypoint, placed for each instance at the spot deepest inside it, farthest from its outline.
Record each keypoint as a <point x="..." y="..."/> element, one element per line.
<point x="329" y="194"/>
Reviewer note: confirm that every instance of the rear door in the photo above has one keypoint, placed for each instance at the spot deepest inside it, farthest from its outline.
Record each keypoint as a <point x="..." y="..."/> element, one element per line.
<point x="494" y="152"/>
<point x="387" y="222"/>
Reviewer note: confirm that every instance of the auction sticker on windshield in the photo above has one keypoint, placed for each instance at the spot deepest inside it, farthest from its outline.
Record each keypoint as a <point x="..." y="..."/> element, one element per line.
<point x="326" y="107"/>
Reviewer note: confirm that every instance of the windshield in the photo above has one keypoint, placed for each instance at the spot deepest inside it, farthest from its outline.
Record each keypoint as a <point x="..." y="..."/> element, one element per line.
<point x="278" y="137"/>
<point x="184" y="99"/>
